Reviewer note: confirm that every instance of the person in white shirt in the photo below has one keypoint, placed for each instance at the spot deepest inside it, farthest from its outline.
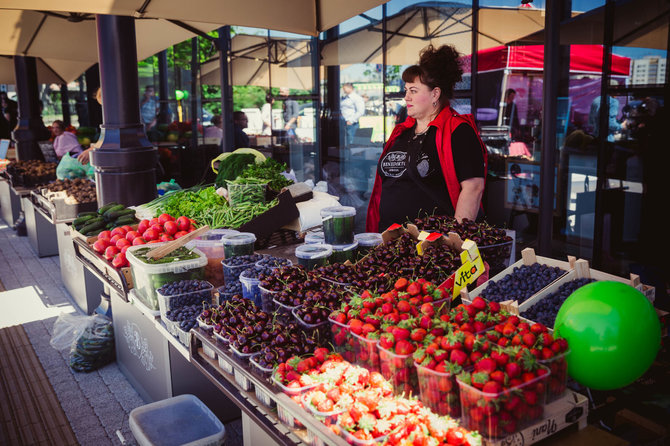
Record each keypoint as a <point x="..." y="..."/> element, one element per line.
<point x="352" y="108"/>
<point x="65" y="142"/>
<point x="266" y="115"/>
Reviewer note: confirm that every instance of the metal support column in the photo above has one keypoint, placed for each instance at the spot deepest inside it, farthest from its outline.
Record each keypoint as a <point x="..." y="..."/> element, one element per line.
<point x="125" y="162"/>
<point x="94" y="107"/>
<point x="194" y="94"/>
<point x="163" y="114"/>
<point x="223" y="44"/>
<point x="30" y="125"/>
<point x="65" y="104"/>
<point x="552" y="22"/>
<point x="316" y="92"/>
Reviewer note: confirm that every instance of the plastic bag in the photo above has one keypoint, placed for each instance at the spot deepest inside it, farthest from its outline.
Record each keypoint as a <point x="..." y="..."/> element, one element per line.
<point x="69" y="167"/>
<point x="89" y="338"/>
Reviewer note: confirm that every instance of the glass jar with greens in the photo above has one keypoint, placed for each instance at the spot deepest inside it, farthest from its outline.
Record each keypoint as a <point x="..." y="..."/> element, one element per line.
<point x="338" y="224"/>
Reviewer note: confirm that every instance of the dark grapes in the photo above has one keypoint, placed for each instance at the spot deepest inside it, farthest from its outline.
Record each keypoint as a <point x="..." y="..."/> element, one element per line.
<point x="545" y="310"/>
<point x="523" y="282"/>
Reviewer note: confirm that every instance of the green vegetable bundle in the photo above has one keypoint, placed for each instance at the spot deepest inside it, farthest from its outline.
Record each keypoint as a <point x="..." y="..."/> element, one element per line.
<point x="232" y="166"/>
<point x="269" y="171"/>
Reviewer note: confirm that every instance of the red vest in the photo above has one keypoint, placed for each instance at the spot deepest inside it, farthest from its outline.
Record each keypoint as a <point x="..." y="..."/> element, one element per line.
<point x="445" y="122"/>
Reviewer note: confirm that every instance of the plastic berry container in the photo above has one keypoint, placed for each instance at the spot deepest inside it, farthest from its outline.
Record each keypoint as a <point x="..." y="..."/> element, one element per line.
<point x="250" y="288"/>
<point x="367" y="241"/>
<point x="349" y="437"/>
<point x="343" y="340"/>
<point x="295" y="393"/>
<point x="338" y="224"/>
<point x="342" y="253"/>
<point x="483" y="412"/>
<point x="313" y="255"/>
<point x="242" y="357"/>
<point x="439" y="391"/>
<point x="327" y="418"/>
<point x="558" y="378"/>
<point x="211" y="245"/>
<point x="267" y="299"/>
<point x="315" y="238"/>
<point x="208" y="351"/>
<point x="238" y="244"/>
<point x="170" y="302"/>
<point x="319" y="332"/>
<point x="279" y="262"/>
<point x="231" y="273"/>
<point x="399" y="370"/>
<point x="225" y="365"/>
<point x="366" y="353"/>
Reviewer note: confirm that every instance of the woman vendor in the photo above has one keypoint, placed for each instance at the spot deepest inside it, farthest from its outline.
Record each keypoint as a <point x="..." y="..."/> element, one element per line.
<point x="434" y="162"/>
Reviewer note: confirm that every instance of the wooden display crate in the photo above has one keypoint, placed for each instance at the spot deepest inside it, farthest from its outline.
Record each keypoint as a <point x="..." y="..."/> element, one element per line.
<point x="528" y="258"/>
<point x="571" y="409"/>
<point x="582" y="271"/>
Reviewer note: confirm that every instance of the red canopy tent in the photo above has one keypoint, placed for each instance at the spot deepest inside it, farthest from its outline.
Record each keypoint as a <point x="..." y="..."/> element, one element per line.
<point x="587" y="59"/>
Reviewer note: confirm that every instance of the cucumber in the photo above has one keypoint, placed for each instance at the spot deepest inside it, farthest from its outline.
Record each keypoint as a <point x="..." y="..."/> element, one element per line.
<point x="118" y="207"/>
<point x="125" y="220"/>
<point x="79" y="221"/>
<point x="92" y="227"/>
<point x="91" y="213"/>
<point x="113" y="215"/>
<point x="106" y="207"/>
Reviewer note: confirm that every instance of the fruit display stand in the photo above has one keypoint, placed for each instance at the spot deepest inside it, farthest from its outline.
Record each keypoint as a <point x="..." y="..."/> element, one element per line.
<point x="119" y="279"/>
<point x="528" y="258"/>
<point x="257" y="414"/>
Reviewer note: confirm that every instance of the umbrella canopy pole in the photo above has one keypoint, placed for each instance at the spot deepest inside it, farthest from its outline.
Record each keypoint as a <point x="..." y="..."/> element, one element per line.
<point x="28" y="129"/>
<point x="164" y="113"/>
<point x="125" y="161"/>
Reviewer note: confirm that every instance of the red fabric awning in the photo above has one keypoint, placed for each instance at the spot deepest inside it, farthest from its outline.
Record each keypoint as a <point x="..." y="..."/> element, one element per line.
<point x="583" y="59"/>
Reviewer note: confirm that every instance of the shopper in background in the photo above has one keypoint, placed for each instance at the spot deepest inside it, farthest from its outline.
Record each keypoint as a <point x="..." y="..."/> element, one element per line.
<point x="65" y="142"/>
<point x="291" y="112"/>
<point x="510" y="114"/>
<point x="434" y="162"/>
<point x="10" y="115"/>
<point x="216" y="129"/>
<point x="149" y="107"/>
<point x="352" y="107"/>
<point x="240" y="121"/>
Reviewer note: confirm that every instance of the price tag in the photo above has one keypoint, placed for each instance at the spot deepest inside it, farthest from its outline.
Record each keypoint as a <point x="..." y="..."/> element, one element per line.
<point x="426" y="237"/>
<point x="472" y="268"/>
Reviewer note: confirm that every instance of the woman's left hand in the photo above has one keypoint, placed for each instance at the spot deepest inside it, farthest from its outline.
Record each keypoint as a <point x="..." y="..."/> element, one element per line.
<point x="84" y="156"/>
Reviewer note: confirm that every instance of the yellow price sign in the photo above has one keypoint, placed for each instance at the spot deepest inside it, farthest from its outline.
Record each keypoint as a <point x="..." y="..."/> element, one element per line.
<point x="472" y="268"/>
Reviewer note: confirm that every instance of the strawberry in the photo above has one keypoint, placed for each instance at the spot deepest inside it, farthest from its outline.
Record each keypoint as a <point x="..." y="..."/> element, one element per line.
<point x="479" y="303"/>
<point x="500" y="357"/>
<point x="537" y="328"/>
<point x="476" y="356"/>
<point x="386" y="341"/>
<point x="402" y="347"/>
<point x="528" y="339"/>
<point x="418" y="334"/>
<point x="400" y="333"/>
<point x="487" y="365"/>
<point x="356" y="326"/>
<point x="493" y="387"/>
<point x="530" y="397"/>
<point x="414" y="289"/>
<point x="479" y="379"/>
<point x="334" y="394"/>
<point x="427" y="309"/>
<point x="403" y="306"/>
<point x="458" y="357"/>
<point x="340" y="317"/>
<point x="498" y="376"/>
<point x="494" y="307"/>
<point x="513" y="370"/>
<point x="401" y="284"/>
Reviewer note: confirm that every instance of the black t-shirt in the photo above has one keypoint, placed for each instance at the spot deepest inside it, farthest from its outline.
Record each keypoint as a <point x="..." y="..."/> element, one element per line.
<point x="413" y="183"/>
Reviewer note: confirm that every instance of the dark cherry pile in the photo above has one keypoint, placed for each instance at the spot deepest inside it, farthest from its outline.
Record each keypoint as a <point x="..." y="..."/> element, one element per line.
<point x="251" y="330"/>
<point x="186" y="316"/>
<point x="273" y="262"/>
<point x="495" y="246"/>
<point x="523" y="282"/>
<point x="279" y="278"/>
<point x="187" y="292"/>
<point x="545" y="310"/>
<point x="339" y="272"/>
<point x="482" y="233"/>
<point x="312" y="315"/>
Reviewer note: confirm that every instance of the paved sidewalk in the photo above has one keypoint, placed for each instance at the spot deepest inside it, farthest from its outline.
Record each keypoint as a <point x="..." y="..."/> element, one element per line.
<point x="97" y="404"/>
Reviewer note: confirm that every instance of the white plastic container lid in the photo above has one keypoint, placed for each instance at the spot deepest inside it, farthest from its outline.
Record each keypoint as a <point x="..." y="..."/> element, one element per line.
<point x="369" y="239"/>
<point x="338" y="211"/>
<point x="159" y="268"/>
<point x="315" y="237"/>
<point x="241" y="238"/>
<point x="180" y="420"/>
<point x="212" y="237"/>
<point x="249" y="280"/>
<point x="344" y="248"/>
<point x="313" y="251"/>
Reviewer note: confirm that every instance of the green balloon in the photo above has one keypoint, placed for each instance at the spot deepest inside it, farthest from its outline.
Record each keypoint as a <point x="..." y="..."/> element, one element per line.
<point x="613" y="332"/>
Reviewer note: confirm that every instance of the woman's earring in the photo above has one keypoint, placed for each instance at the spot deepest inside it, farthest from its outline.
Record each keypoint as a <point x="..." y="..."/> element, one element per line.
<point x="434" y="104"/>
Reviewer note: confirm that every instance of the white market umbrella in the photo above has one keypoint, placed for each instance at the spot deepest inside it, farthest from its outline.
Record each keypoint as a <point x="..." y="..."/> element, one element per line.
<point x="249" y="63"/>
<point x="49" y="71"/>
<point x="637" y="23"/>
<point x="297" y="16"/>
<point x="417" y="26"/>
<point x="69" y="41"/>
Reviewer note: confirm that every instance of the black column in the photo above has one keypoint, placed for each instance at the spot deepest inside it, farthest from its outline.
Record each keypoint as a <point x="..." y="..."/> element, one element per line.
<point x="125" y="161"/>
<point x="27" y="131"/>
<point x="195" y="93"/>
<point x="552" y="22"/>
<point x="65" y="104"/>
<point x="223" y="44"/>
<point x="94" y="107"/>
<point x="163" y="115"/>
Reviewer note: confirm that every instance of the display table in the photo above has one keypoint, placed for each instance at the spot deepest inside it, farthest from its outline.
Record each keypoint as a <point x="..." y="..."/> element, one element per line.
<point x="10" y="202"/>
<point x="156" y="364"/>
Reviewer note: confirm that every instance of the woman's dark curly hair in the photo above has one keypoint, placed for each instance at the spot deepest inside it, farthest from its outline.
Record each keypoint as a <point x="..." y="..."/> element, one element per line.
<point x="437" y="67"/>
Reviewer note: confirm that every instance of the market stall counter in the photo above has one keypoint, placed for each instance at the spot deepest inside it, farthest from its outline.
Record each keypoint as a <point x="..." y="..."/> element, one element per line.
<point x="41" y="231"/>
<point x="155" y="363"/>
